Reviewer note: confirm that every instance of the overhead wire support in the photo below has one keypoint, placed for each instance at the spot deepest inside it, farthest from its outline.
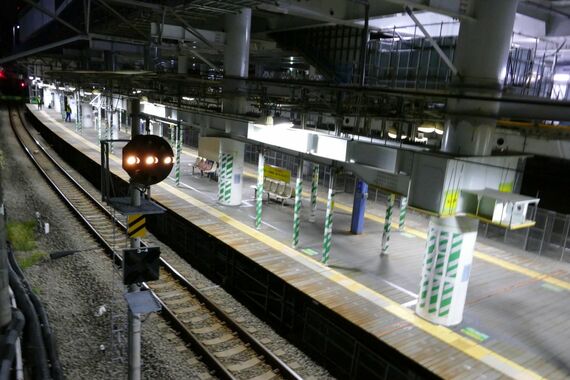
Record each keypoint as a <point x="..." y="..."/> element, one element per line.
<point x="441" y="53"/>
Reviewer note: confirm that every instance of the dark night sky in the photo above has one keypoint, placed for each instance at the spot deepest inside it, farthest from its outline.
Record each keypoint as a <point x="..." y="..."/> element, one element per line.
<point x="8" y="12"/>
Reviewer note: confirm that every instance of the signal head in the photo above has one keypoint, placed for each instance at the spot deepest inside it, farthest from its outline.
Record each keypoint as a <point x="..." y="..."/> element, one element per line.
<point x="147" y="159"/>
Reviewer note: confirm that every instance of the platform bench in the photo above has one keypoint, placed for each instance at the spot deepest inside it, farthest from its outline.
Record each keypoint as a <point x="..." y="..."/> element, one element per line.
<point x="278" y="190"/>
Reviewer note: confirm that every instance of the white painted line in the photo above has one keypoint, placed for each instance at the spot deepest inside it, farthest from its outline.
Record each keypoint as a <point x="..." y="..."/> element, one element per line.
<point x="265" y="223"/>
<point x="410" y="304"/>
<point x="187" y="186"/>
<point x="401" y="289"/>
<point x="246" y="203"/>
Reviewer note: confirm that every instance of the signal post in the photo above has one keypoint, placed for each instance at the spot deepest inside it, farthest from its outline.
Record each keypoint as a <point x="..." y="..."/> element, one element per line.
<point x="147" y="159"/>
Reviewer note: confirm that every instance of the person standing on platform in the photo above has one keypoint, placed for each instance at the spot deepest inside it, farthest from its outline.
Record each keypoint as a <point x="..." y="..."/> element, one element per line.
<point x="67" y="112"/>
<point x="40" y="102"/>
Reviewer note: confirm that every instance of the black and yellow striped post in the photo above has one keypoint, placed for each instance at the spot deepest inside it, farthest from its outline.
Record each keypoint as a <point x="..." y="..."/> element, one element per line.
<point x="136" y="226"/>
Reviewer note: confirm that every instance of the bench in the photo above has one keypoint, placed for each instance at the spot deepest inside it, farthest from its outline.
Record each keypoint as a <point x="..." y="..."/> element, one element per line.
<point x="279" y="190"/>
<point x="205" y="166"/>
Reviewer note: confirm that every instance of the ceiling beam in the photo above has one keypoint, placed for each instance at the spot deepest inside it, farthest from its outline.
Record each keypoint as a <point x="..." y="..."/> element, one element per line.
<point x="121" y="17"/>
<point x="53" y="16"/>
<point x="43" y="48"/>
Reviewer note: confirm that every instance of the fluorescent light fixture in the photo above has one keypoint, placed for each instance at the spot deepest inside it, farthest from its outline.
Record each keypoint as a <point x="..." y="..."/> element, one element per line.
<point x="31" y="77"/>
<point x="392" y="135"/>
<point x="351" y="161"/>
<point x="561" y="77"/>
<point x="426" y="128"/>
<point x="187" y="98"/>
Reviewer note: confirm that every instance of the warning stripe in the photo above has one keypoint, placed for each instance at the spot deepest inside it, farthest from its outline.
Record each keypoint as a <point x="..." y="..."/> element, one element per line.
<point x="137" y="226"/>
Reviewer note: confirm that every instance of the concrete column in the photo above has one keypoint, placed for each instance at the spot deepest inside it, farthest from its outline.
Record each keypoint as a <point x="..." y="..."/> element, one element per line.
<point x="446" y="269"/>
<point x="236" y="60"/>
<point x="230" y="179"/>
<point x="87" y="115"/>
<point x="480" y="58"/>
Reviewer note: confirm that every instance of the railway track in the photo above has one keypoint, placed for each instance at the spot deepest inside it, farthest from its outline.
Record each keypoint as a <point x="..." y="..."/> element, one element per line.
<point x="227" y="348"/>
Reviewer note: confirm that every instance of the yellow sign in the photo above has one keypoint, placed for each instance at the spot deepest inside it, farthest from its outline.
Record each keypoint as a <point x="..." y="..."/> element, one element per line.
<point x="506" y="187"/>
<point x="136" y="226"/>
<point x="277" y="173"/>
<point x="450" y="202"/>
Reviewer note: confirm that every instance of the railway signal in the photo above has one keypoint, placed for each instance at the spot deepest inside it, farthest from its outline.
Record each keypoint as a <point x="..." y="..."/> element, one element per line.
<point x="148" y="159"/>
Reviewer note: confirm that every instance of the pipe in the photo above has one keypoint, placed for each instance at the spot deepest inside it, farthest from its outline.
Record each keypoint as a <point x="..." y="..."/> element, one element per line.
<point x="19" y="361"/>
<point x="522" y="124"/>
<point x="47" y="335"/>
<point x="36" y="353"/>
<point x="10" y="344"/>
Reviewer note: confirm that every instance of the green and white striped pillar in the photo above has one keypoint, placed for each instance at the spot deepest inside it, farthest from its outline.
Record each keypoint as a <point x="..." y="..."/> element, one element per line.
<point x="221" y="175"/>
<point x="314" y="192"/>
<point x="327" y="239"/>
<point x="98" y="125"/>
<point x="403" y="211"/>
<point x="109" y="123"/>
<point x="178" y="154"/>
<point x="225" y="178"/>
<point x="446" y="269"/>
<point x="388" y="224"/>
<point x="77" y="111"/>
<point x="172" y="135"/>
<point x="259" y="189"/>
<point x="298" y="203"/>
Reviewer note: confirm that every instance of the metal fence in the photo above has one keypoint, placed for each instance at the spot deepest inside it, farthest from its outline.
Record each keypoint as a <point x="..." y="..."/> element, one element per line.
<point x="549" y="237"/>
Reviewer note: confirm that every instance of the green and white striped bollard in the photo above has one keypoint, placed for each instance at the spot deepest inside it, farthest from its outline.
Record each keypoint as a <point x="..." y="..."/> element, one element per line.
<point x="388" y="224"/>
<point x="403" y="210"/>
<point x="259" y="190"/>
<point x="172" y="135"/>
<point x="314" y="192"/>
<point x="327" y="241"/>
<point x="297" y="208"/>
<point x="178" y="154"/>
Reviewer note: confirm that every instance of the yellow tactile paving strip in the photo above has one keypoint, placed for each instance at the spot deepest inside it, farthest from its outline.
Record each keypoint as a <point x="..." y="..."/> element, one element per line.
<point x="446" y="335"/>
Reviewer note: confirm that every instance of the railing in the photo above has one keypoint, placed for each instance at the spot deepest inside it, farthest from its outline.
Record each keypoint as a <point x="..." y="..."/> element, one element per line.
<point x="549" y="237"/>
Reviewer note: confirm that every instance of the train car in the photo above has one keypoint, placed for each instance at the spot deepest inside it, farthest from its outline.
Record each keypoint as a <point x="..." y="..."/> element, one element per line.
<point x="13" y="85"/>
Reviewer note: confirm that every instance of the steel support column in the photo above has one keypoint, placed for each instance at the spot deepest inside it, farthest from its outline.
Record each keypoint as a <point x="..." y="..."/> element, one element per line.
<point x="297" y="208"/>
<point x="259" y="188"/>
<point x="327" y="239"/>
